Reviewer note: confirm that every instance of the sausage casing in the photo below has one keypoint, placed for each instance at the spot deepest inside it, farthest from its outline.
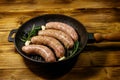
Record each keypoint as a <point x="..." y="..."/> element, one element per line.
<point x="51" y="42"/>
<point x="60" y="35"/>
<point x="63" y="27"/>
<point x="41" y="50"/>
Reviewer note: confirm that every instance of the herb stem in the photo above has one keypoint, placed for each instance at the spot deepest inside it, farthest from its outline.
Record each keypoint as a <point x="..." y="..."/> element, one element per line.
<point x="75" y="48"/>
<point x="31" y="33"/>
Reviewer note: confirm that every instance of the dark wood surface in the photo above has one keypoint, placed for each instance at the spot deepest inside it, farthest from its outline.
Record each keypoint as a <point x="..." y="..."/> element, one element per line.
<point x="99" y="61"/>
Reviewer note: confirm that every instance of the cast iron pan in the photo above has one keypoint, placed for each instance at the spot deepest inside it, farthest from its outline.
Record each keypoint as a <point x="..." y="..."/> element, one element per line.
<point x="84" y="36"/>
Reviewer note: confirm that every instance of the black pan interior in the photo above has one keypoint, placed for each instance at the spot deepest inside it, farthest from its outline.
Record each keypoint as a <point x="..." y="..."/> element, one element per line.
<point x="42" y="20"/>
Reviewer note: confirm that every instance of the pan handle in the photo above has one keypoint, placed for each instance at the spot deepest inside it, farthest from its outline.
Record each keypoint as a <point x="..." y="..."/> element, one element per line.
<point x="10" y="38"/>
<point x="99" y="37"/>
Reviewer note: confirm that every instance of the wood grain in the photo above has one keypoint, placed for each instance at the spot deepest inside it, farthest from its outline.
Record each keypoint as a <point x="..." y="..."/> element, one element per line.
<point x="98" y="61"/>
<point x="25" y="5"/>
<point x="78" y="73"/>
<point x="96" y="19"/>
<point x="113" y="73"/>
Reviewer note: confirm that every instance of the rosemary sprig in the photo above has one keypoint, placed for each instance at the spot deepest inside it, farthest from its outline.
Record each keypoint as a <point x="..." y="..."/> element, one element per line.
<point x="75" y="48"/>
<point x="31" y="33"/>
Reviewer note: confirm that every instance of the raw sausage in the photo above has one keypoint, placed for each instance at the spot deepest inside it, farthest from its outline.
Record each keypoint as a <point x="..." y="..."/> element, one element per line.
<point x="41" y="50"/>
<point x="51" y="42"/>
<point x="63" y="27"/>
<point x="60" y="35"/>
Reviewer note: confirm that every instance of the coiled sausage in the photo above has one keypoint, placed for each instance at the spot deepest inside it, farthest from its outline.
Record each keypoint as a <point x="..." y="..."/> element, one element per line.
<point x="63" y="27"/>
<point x="60" y="35"/>
<point x="41" y="50"/>
<point x="51" y="42"/>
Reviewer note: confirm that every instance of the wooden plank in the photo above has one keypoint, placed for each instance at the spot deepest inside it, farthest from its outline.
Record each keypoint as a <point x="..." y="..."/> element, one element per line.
<point x="105" y="54"/>
<point x="12" y="21"/>
<point x="105" y="58"/>
<point x="102" y="27"/>
<point x="10" y="58"/>
<point x="88" y="73"/>
<point x="18" y="74"/>
<point x="84" y="60"/>
<point x="74" y="74"/>
<point x="113" y="73"/>
<point x="96" y="19"/>
<point x="98" y="73"/>
<point x="25" y="5"/>
<point x="4" y="38"/>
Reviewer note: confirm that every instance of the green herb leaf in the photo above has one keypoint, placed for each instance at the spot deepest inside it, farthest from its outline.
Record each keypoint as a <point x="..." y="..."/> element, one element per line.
<point x="75" y="48"/>
<point x="31" y="33"/>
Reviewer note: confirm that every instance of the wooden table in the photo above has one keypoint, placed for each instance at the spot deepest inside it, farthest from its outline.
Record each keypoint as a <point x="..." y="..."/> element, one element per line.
<point x="99" y="61"/>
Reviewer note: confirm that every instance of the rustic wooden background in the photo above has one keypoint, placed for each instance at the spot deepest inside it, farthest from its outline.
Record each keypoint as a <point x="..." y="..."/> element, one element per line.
<point x="99" y="61"/>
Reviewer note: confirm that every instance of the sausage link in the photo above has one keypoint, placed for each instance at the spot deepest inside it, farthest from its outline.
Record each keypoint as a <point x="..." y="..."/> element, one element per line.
<point x="41" y="50"/>
<point x="63" y="27"/>
<point x="60" y="35"/>
<point x="51" y="42"/>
